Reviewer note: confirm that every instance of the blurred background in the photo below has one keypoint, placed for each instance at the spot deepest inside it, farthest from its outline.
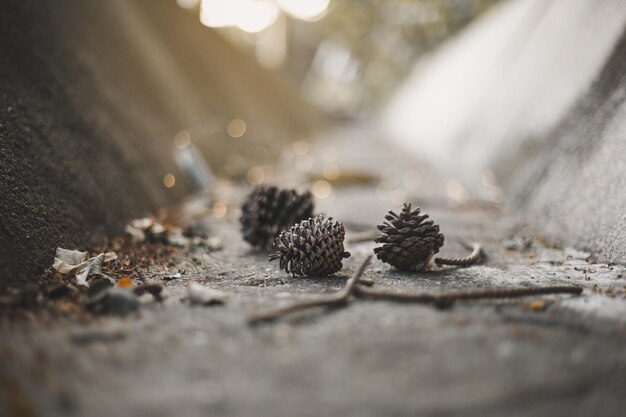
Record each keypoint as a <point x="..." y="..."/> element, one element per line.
<point x="111" y="110"/>
<point x="347" y="57"/>
<point x="504" y="120"/>
<point x="344" y="59"/>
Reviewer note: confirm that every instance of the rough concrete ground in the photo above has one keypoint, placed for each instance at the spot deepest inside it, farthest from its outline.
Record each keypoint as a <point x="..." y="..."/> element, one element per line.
<point x="370" y="358"/>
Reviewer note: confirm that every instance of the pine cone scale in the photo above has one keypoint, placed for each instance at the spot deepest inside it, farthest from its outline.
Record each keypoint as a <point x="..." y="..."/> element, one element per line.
<point x="311" y="247"/>
<point x="269" y="210"/>
<point x="409" y="242"/>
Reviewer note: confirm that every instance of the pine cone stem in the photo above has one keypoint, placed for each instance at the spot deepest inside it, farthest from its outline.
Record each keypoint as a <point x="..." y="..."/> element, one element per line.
<point x="339" y="298"/>
<point x="475" y="257"/>
<point x="443" y="300"/>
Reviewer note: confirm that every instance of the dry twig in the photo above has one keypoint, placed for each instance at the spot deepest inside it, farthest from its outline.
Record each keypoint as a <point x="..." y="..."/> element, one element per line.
<point x="338" y="298"/>
<point x="443" y="300"/>
<point x="475" y="257"/>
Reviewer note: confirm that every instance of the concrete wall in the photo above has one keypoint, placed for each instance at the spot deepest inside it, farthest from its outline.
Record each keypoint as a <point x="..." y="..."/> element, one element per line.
<point x="534" y="91"/>
<point x="575" y="185"/>
<point x="91" y="95"/>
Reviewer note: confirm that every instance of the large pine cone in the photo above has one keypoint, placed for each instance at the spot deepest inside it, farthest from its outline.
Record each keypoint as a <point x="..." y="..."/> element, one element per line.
<point x="269" y="210"/>
<point x="312" y="247"/>
<point x="408" y="242"/>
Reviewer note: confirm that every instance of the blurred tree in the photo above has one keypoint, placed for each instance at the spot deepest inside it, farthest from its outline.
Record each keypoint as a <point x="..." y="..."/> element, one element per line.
<point x="385" y="37"/>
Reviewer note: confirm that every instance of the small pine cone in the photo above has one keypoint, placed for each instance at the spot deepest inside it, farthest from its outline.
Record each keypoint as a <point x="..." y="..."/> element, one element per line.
<point x="269" y="210"/>
<point x="408" y="242"/>
<point x="312" y="247"/>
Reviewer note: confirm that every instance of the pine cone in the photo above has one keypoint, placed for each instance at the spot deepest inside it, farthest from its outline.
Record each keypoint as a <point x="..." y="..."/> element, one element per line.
<point x="269" y="210"/>
<point x="312" y="247"/>
<point x="408" y="242"/>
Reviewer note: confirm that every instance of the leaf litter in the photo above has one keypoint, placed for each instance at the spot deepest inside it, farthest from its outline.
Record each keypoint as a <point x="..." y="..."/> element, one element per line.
<point x="115" y="277"/>
<point x="74" y="262"/>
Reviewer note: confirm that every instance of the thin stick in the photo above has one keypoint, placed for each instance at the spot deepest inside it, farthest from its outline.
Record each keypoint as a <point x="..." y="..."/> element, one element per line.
<point x="338" y="298"/>
<point x="446" y="299"/>
<point x="473" y="258"/>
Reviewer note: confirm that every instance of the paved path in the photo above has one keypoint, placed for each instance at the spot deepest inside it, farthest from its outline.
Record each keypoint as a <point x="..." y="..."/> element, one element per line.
<point x="370" y="358"/>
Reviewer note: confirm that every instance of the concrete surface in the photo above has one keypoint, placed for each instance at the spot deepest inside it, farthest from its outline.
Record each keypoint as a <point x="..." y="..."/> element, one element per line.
<point x="370" y="358"/>
<point x="91" y="96"/>
<point x="578" y="178"/>
<point x="543" y="356"/>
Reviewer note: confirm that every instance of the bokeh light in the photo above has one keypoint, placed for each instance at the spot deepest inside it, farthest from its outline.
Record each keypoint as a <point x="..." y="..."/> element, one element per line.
<point x="321" y="189"/>
<point x="236" y="128"/>
<point x="255" y="175"/>
<point x="188" y="4"/>
<point x="257" y="16"/>
<point x="457" y="193"/>
<point x="182" y="139"/>
<point x="169" y="180"/>
<point x="219" y="13"/>
<point x="305" y="9"/>
<point x="218" y="209"/>
<point x="496" y="195"/>
<point x="251" y="16"/>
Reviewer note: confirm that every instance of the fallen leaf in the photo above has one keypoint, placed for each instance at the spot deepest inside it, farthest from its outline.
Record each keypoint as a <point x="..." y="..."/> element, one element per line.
<point x="73" y="262"/>
<point x="68" y="261"/>
<point x="125" y="282"/>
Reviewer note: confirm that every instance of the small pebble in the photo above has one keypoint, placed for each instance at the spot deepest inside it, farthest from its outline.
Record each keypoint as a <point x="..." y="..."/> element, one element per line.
<point x="201" y="295"/>
<point x="98" y="288"/>
<point x="59" y="291"/>
<point x="153" y="289"/>
<point x="114" y="301"/>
